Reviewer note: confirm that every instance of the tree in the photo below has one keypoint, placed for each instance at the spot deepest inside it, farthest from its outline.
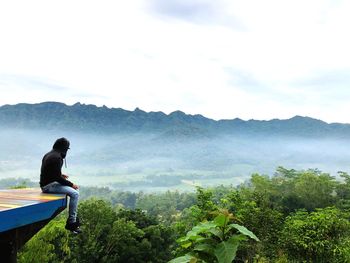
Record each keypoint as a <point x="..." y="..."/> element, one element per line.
<point x="315" y="190"/>
<point x="319" y="236"/>
<point x="343" y="191"/>
<point x="98" y="217"/>
<point x="51" y="244"/>
<point x="123" y="235"/>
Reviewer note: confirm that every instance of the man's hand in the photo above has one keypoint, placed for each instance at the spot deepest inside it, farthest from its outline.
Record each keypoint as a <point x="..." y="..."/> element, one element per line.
<point x="65" y="176"/>
<point x="75" y="186"/>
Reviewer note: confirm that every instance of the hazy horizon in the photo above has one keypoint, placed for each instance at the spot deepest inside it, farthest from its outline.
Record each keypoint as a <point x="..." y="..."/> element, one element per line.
<point x="146" y="162"/>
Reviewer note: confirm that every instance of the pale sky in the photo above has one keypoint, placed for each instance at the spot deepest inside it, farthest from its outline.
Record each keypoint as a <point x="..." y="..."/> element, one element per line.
<point x="250" y="59"/>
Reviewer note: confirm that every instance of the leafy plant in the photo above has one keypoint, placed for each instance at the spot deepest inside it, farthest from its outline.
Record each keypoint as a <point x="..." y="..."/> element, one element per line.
<point x="320" y="236"/>
<point x="213" y="241"/>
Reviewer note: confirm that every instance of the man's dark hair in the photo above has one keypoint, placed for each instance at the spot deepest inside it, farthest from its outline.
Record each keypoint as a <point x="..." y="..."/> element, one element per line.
<point x="61" y="144"/>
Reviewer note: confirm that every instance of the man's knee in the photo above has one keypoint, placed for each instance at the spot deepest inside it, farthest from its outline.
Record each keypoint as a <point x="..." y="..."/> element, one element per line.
<point x="74" y="194"/>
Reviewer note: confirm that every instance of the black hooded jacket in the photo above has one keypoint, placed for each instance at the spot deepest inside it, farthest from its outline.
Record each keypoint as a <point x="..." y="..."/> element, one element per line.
<point x="52" y="164"/>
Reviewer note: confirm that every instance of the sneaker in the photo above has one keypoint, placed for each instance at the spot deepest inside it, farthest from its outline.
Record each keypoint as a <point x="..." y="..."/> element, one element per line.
<point x="73" y="227"/>
<point x="78" y="221"/>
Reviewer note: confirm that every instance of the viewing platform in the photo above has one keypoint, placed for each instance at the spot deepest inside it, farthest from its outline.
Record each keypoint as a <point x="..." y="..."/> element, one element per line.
<point x="23" y="212"/>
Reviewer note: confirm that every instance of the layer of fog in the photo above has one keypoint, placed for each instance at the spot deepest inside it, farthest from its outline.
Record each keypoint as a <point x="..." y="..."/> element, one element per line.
<point x="140" y="161"/>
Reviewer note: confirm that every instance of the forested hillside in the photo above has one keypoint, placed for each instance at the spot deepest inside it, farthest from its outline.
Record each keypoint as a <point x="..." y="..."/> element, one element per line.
<point x="293" y="216"/>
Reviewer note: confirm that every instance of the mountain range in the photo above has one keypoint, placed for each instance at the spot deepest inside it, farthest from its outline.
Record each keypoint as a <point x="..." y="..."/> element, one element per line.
<point x="137" y="150"/>
<point x="92" y="119"/>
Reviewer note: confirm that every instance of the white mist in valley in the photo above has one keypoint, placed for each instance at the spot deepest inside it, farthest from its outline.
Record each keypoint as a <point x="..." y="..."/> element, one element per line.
<point x="150" y="162"/>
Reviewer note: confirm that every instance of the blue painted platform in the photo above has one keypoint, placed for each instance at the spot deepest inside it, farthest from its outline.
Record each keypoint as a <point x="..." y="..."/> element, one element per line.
<point x="20" y="207"/>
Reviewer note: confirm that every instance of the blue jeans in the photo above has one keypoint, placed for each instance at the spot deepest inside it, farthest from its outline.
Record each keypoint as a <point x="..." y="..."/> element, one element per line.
<point x="57" y="188"/>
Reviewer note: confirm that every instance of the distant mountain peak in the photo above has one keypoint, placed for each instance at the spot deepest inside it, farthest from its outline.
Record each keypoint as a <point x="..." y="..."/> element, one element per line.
<point x="177" y="113"/>
<point x="306" y="119"/>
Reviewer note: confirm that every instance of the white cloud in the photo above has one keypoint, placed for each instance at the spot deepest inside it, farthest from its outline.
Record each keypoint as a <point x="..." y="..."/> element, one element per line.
<point x="134" y="54"/>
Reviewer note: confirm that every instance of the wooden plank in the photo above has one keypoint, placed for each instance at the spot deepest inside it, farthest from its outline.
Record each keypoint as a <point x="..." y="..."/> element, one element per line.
<point x="19" y="207"/>
<point x="14" y="198"/>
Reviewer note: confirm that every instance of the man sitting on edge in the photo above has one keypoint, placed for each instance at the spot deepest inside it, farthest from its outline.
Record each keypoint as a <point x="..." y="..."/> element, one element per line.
<point x="53" y="181"/>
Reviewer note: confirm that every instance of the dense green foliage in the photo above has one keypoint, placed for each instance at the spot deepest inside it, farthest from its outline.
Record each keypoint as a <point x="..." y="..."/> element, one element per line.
<point x="298" y="216"/>
<point x="110" y="235"/>
<point x="319" y="236"/>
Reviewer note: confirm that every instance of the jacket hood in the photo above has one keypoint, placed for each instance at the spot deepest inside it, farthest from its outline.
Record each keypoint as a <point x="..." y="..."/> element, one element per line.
<point x="61" y="144"/>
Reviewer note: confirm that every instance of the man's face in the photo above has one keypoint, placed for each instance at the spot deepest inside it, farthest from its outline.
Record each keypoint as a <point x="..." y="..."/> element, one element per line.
<point x="64" y="153"/>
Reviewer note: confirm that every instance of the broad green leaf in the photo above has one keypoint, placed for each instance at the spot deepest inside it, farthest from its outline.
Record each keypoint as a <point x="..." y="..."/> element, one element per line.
<point x="244" y="231"/>
<point x="216" y="232"/>
<point x="225" y="252"/>
<point x="200" y="228"/>
<point x="207" y="240"/>
<point x="184" y="259"/>
<point x="239" y="237"/>
<point x="204" y="248"/>
<point x="186" y="244"/>
<point x="195" y="238"/>
<point x="221" y="220"/>
<point x="200" y="239"/>
<point x="182" y="239"/>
